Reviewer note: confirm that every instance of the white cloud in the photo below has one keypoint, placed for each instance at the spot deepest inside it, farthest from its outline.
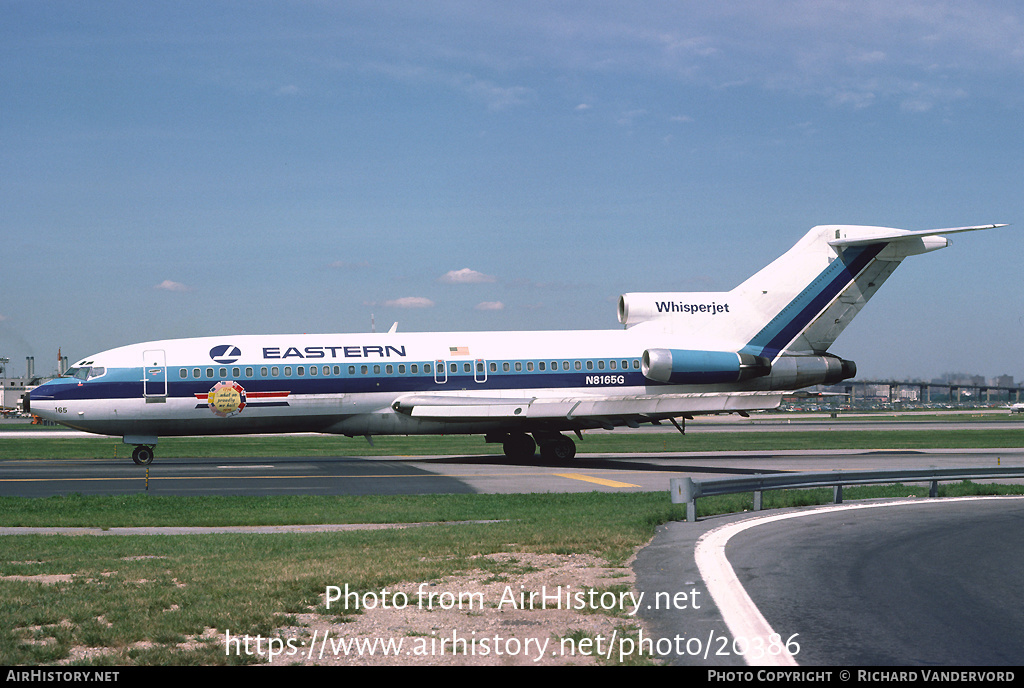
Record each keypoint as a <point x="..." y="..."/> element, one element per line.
<point x="169" y="285"/>
<point x="490" y="306"/>
<point x="854" y="99"/>
<point x="868" y="57"/>
<point x="465" y="276"/>
<point x="915" y="105"/>
<point x="346" y="265"/>
<point x="629" y="118"/>
<point x="410" y="302"/>
<point x="495" y="96"/>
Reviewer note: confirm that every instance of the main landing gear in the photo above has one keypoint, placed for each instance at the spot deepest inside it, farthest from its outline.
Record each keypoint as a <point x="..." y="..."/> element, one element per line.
<point x="518" y="446"/>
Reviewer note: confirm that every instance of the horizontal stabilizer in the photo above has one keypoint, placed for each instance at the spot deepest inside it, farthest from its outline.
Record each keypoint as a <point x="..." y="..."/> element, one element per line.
<point x="888" y="235"/>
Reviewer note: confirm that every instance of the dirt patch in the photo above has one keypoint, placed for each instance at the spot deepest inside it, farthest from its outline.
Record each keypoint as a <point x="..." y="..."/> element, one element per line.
<point x="44" y="578"/>
<point x="549" y="610"/>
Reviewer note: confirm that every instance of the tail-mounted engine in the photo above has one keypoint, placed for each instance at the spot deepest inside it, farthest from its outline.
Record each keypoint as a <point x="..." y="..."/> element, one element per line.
<point x="643" y="306"/>
<point x="794" y="372"/>
<point x="787" y="372"/>
<point x="687" y="367"/>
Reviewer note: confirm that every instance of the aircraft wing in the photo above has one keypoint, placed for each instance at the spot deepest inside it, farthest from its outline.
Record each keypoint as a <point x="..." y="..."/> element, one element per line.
<point x="581" y="408"/>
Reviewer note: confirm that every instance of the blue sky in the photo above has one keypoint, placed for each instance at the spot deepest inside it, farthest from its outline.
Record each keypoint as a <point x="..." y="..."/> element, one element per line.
<point x="205" y="168"/>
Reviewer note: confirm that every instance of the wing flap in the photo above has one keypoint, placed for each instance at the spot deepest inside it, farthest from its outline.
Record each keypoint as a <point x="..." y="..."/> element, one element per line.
<point x="450" y="408"/>
<point x="442" y="407"/>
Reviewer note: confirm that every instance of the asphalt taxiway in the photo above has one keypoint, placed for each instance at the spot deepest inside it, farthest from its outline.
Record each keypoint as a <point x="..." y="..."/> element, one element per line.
<point x="495" y="473"/>
<point x="450" y="474"/>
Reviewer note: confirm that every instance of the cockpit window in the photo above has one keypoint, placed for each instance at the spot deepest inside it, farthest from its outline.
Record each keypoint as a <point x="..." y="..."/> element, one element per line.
<point x="85" y="372"/>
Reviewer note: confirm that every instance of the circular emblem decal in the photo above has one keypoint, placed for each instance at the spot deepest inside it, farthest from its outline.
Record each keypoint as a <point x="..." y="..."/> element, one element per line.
<point x="225" y="354"/>
<point x="227" y="398"/>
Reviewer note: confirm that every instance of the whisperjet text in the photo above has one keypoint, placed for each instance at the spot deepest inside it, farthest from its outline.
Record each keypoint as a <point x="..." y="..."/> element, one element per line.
<point x="690" y="308"/>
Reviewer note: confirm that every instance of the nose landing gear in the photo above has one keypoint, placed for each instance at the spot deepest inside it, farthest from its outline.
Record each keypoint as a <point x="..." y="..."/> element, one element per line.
<point x="142" y="455"/>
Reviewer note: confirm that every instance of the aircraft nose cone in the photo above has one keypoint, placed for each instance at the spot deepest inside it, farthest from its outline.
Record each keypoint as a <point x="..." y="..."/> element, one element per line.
<point x="52" y="390"/>
<point x="41" y="392"/>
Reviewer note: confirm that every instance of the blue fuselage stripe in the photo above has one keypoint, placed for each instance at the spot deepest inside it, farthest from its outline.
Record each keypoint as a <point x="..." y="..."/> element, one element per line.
<point x="355" y="384"/>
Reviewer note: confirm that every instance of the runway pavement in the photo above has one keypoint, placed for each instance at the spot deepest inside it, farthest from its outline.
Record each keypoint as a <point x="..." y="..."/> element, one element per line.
<point x="449" y="474"/>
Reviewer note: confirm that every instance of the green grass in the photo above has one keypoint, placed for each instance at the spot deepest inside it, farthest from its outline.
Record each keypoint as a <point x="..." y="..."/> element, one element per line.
<point x="143" y="597"/>
<point x="124" y="587"/>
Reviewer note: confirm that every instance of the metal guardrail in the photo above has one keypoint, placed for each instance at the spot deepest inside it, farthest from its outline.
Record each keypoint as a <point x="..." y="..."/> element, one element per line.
<point x="686" y="491"/>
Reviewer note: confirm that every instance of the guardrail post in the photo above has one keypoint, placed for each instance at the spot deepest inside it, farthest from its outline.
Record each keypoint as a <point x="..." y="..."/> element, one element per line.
<point x="933" y="491"/>
<point x="758" y="496"/>
<point x="837" y="494"/>
<point x="685" y="491"/>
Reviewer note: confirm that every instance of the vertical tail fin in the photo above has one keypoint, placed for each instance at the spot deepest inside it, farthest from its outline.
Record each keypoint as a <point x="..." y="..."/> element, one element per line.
<point x="812" y="292"/>
<point x="798" y="304"/>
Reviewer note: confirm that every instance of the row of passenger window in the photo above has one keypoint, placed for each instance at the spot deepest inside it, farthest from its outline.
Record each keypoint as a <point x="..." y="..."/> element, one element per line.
<point x="275" y="371"/>
<point x="543" y="365"/>
<point x="413" y="369"/>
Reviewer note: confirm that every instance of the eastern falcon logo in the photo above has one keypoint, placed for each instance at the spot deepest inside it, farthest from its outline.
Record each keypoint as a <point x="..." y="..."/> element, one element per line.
<point x="225" y="353"/>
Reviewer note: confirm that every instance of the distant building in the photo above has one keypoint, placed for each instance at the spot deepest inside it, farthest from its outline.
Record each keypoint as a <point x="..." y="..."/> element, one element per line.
<point x="11" y="391"/>
<point x="1003" y="381"/>
<point x="908" y="393"/>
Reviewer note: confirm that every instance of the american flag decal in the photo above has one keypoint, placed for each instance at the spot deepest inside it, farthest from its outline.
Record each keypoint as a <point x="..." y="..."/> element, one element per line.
<point x="459" y="350"/>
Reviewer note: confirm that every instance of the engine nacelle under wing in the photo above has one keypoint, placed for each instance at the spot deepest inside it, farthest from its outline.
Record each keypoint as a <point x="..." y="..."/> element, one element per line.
<point x="689" y="367"/>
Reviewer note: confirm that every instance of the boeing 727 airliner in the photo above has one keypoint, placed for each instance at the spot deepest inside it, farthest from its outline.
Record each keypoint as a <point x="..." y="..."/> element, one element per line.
<point x="680" y="354"/>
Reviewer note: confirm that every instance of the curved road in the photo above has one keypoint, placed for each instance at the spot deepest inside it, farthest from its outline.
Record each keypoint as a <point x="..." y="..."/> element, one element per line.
<point x="912" y="583"/>
<point x="928" y="583"/>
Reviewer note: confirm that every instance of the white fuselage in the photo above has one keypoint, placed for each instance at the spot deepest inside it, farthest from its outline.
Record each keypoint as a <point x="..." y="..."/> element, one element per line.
<point x="342" y="383"/>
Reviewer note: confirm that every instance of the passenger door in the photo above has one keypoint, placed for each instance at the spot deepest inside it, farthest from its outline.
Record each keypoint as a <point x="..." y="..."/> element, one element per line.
<point x="154" y="376"/>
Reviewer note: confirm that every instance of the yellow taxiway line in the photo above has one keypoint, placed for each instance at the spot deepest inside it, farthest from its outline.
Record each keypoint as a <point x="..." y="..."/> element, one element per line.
<point x="599" y="481"/>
